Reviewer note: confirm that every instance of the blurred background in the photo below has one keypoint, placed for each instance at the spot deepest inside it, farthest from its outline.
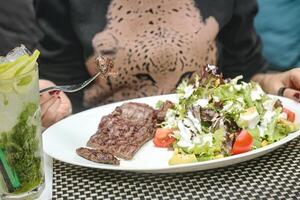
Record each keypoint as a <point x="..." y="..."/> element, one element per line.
<point x="278" y="23"/>
<point x="18" y="25"/>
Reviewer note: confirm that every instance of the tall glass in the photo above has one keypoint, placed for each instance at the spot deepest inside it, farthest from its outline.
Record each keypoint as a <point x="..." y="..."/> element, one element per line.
<point x="21" y="155"/>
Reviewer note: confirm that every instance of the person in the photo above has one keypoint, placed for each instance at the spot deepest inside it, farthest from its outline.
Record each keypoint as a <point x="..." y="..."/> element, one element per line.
<point x="54" y="105"/>
<point x="18" y="26"/>
<point x="278" y="25"/>
<point x="154" y="45"/>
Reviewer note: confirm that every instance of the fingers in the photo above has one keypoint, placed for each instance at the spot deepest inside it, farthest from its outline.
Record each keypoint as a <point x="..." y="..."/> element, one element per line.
<point x="295" y="78"/>
<point x="292" y="94"/>
<point x="49" y="111"/>
<point x="66" y="106"/>
<point x="62" y="115"/>
<point x="47" y="99"/>
<point x="64" y="110"/>
<point x="44" y="97"/>
<point x="272" y="83"/>
<point x="48" y="102"/>
<point x="55" y="105"/>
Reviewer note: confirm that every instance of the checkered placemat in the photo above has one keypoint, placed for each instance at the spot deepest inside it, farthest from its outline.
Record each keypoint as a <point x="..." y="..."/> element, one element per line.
<point x="273" y="176"/>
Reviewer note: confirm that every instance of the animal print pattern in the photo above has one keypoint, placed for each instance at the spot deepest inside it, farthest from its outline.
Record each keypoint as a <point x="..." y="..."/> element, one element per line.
<point x="155" y="44"/>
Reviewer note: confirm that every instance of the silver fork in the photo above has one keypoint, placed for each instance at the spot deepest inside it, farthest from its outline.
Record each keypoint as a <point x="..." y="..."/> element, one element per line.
<point x="71" y="88"/>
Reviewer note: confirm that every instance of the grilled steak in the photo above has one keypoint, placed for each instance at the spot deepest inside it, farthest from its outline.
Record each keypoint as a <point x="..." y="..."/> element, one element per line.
<point x="125" y="130"/>
<point x="97" y="155"/>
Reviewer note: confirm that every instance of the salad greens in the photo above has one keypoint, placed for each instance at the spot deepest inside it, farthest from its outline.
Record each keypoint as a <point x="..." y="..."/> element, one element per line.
<point x="212" y="111"/>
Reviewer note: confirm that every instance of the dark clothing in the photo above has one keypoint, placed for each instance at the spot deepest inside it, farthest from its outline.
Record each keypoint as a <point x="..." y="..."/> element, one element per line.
<point x="17" y="25"/>
<point x="70" y="26"/>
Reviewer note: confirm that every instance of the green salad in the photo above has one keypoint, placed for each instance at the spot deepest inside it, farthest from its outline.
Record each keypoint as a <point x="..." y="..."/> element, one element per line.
<point x="216" y="117"/>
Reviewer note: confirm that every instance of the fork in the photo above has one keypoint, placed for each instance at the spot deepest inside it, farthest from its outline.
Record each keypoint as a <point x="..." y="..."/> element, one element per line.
<point x="71" y="88"/>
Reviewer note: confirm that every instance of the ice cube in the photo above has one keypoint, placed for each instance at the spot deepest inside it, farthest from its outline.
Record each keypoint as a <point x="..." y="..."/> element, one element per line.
<point x="15" y="53"/>
<point x="2" y="59"/>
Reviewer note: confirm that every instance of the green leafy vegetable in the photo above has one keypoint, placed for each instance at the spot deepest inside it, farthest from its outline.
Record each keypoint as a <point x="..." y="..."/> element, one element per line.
<point x="21" y="145"/>
<point x="211" y="112"/>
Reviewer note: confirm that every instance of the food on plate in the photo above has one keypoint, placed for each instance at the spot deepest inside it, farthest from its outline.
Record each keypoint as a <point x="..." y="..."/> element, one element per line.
<point x="163" y="108"/>
<point x="216" y="117"/>
<point x="97" y="155"/>
<point x="290" y="114"/>
<point x="163" y="137"/>
<point x="213" y="118"/>
<point x="243" y="142"/>
<point x="123" y="132"/>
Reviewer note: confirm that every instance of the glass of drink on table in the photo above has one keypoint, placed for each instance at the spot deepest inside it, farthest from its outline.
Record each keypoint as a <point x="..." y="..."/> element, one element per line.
<point x="21" y="154"/>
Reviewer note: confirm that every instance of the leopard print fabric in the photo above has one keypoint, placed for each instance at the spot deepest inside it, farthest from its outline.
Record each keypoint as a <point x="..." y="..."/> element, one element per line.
<point x="154" y="44"/>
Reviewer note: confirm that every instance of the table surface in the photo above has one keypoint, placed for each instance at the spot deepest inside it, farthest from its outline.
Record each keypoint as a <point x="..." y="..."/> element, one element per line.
<point x="273" y="176"/>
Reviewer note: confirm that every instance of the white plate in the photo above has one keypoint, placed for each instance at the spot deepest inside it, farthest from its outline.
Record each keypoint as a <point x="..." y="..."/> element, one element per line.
<point x="61" y="140"/>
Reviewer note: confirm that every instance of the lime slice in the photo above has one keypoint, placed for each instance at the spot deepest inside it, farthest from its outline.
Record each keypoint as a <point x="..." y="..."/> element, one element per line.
<point x="21" y="65"/>
<point x="9" y="67"/>
<point x="21" y="86"/>
<point x="5" y="66"/>
<point x="14" y="67"/>
<point x="30" y="64"/>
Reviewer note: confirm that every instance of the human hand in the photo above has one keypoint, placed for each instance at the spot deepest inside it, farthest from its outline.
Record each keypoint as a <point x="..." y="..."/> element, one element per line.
<point x="289" y="81"/>
<point x="55" y="105"/>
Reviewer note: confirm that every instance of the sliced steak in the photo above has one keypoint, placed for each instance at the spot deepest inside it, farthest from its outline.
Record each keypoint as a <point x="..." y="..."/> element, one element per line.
<point x="161" y="113"/>
<point x="97" y="155"/>
<point x="125" y="130"/>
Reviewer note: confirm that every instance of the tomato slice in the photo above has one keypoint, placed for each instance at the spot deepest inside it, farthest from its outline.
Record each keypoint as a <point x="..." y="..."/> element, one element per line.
<point x="290" y="114"/>
<point x="163" y="138"/>
<point x="243" y="143"/>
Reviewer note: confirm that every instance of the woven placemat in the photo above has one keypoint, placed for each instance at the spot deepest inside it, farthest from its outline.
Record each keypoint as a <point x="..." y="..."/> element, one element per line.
<point x="273" y="176"/>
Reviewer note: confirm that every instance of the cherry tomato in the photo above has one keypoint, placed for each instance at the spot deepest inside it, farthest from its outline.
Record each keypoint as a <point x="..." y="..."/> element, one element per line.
<point x="243" y="143"/>
<point x="290" y="114"/>
<point x="163" y="138"/>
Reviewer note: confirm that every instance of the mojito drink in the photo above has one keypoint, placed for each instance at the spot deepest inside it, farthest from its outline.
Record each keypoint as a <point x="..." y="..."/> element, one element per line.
<point x="21" y="157"/>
